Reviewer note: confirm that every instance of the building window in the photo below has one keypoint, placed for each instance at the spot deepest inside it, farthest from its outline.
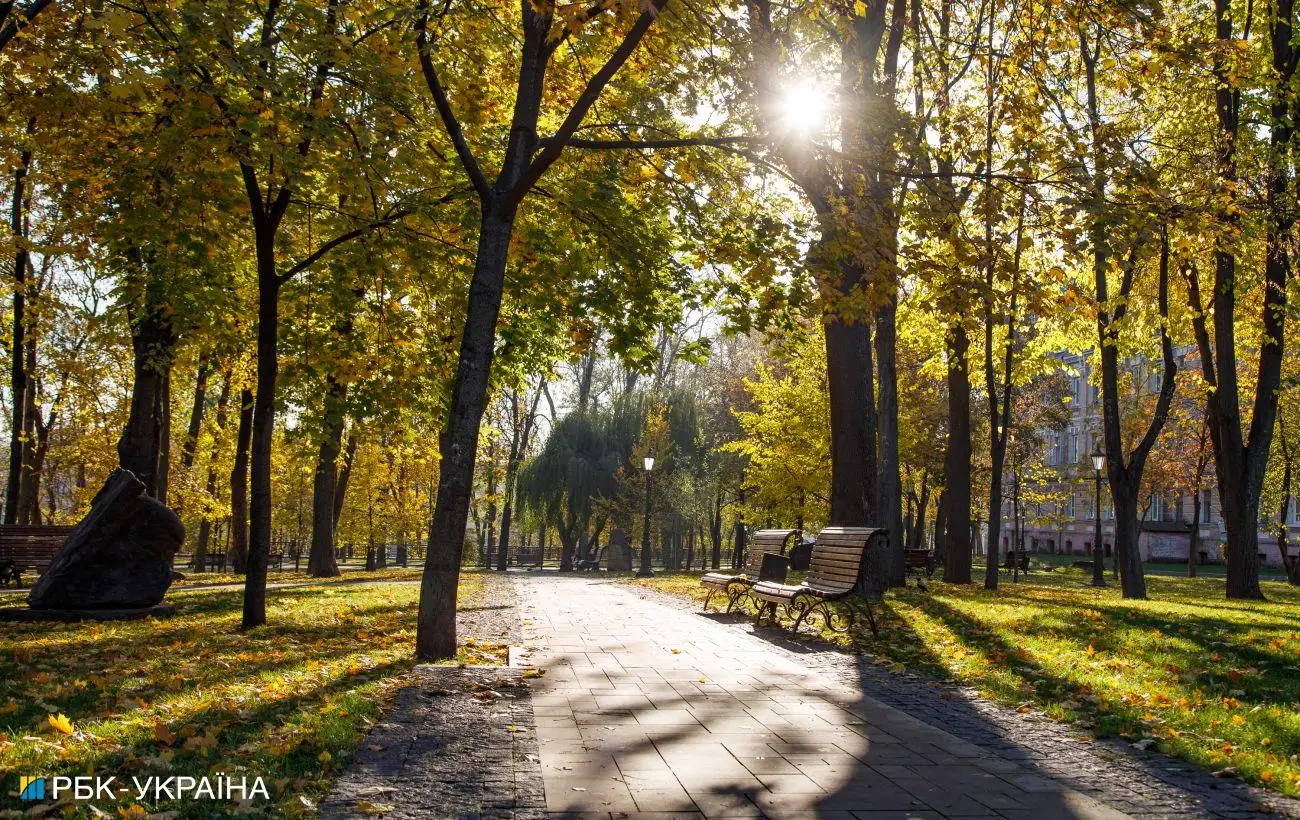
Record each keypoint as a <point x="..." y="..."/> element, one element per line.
<point x="1071" y="510"/>
<point x="1205" y="506"/>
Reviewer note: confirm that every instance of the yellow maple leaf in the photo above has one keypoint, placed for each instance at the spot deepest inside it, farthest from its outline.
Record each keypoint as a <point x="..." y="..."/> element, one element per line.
<point x="860" y="8"/>
<point x="61" y="723"/>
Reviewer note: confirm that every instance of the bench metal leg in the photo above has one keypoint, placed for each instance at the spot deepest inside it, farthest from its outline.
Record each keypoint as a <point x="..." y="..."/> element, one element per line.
<point x="707" y="598"/>
<point x="734" y="597"/>
<point x="800" y="608"/>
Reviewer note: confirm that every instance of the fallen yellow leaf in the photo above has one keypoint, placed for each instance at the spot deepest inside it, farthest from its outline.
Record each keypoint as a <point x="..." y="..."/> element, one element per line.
<point x="61" y="723"/>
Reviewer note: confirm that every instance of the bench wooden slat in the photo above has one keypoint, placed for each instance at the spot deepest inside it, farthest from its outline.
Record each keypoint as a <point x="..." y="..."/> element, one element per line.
<point x="760" y="543"/>
<point x="30" y="547"/>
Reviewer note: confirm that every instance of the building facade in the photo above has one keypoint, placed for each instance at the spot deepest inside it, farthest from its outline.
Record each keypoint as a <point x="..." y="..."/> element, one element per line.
<point x="1059" y="518"/>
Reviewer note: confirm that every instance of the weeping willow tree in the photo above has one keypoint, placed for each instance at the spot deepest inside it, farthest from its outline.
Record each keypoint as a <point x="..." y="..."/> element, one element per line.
<point x="579" y="468"/>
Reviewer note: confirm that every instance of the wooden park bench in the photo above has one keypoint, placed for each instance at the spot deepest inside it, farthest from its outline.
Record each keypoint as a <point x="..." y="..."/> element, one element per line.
<point x="592" y="562"/>
<point x="25" y="548"/>
<point x="919" y="561"/>
<point x="735" y="586"/>
<point x="848" y="567"/>
<point x="1017" y="558"/>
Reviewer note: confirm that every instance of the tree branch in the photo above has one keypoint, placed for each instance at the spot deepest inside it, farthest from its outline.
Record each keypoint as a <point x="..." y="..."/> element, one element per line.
<point x="25" y="15"/>
<point x="443" y="105"/>
<point x="342" y="238"/>
<point x="564" y="134"/>
<point x="657" y="144"/>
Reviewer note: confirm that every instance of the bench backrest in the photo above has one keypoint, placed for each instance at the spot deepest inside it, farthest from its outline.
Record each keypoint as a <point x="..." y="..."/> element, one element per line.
<point x="765" y="541"/>
<point x="846" y="559"/>
<point x="916" y="558"/>
<point x="31" y="547"/>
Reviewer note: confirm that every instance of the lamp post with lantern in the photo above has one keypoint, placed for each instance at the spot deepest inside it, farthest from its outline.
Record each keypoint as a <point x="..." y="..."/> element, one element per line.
<point x="646" y="571"/>
<point x="1098" y="462"/>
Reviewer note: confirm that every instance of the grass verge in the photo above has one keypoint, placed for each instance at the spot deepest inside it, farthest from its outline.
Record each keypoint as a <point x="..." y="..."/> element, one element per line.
<point x="189" y="695"/>
<point x="1213" y="681"/>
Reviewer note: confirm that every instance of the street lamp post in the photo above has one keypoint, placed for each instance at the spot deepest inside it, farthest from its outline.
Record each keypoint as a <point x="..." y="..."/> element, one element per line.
<point x="1098" y="575"/>
<point x="646" y="571"/>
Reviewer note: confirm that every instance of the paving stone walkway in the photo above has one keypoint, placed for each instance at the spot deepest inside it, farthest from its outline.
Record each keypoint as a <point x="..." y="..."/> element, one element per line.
<point x="649" y="709"/>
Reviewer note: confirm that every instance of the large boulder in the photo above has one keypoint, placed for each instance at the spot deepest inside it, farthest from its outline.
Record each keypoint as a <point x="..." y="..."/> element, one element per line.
<point x="118" y="557"/>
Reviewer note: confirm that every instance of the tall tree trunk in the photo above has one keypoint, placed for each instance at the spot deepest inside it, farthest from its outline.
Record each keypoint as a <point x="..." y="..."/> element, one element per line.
<point x="29" y="483"/>
<point x="191" y="443"/>
<point x="268" y="367"/>
<point x="890" y="482"/>
<point x="715" y="530"/>
<point x="210" y="487"/>
<point x="1194" y="537"/>
<point x="345" y="476"/>
<point x="922" y="504"/>
<point x="165" y="437"/>
<point x="239" y="484"/>
<point x="520" y="435"/>
<point x="18" y="369"/>
<point x="321" y="562"/>
<point x="153" y="344"/>
<point x="436" y="629"/>
<point x="849" y="373"/>
<point x="957" y="461"/>
<point x="491" y="522"/>
<point x="1240" y="456"/>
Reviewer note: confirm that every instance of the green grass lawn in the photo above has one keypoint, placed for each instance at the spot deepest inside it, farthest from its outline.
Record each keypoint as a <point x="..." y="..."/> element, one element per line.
<point x="189" y="695"/>
<point x="1216" y="682"/>
<point x="1172" y="568"/>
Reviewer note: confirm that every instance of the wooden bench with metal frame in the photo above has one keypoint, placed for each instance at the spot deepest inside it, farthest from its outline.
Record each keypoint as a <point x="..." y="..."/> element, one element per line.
<point x="848" y="568"/>
<point x="1017" y="559"/>
<point x="25" y="548"/>
<point x="736" y="585"/>
<point x="919" y="561"/>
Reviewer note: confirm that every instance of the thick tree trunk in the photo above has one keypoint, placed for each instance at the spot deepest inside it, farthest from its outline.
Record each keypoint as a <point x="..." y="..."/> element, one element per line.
<point x="1241" y="456"/>
<point x="268" y="366"/>
<point x="890" y="483"/>
<point x="957" y="462"/>
<point x="1194" y="537"/>
<point x="140" y="447"/>
<point x="436" y="629"/>
<point x="18" y="389"/>
<point x="321" y="562"/>
<point x="1128" y="531"/>
<point x="849" y="371"/>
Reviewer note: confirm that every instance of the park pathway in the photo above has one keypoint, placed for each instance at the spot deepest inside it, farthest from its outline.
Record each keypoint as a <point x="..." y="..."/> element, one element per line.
<point x="647" y="709"/>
